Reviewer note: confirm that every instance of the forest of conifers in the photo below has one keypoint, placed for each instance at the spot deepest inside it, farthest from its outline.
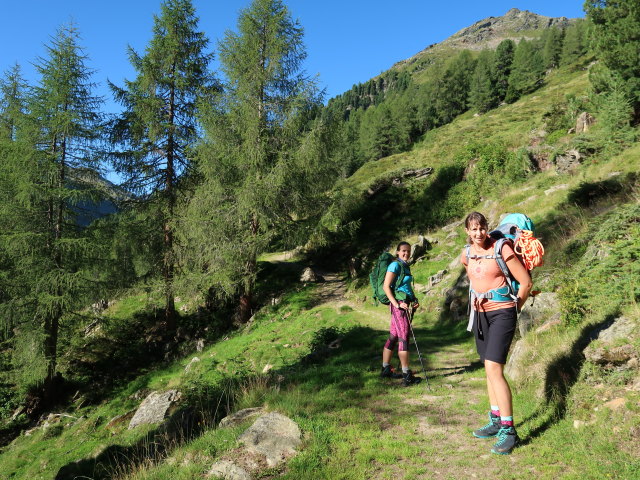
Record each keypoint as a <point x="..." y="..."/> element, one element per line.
<point x="220" y="167"/>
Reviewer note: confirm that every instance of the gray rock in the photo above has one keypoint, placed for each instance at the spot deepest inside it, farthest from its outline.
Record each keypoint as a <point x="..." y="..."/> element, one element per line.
<point x="544" y="307"/>
<point x="309" y="276"/>
<point x="240" y="416"/>
<point x="584" y="122"/>
<point x="437" y="278"/>
<point x="555" y="188"/>
<point x="190" y="365"/>
<point x="568" y="162"/>
<point x="622" y="327"/>
<point x="273" y="435"/>
<point x="155" y="408"/>
<point x="513" y="369"/>
<point x="228" y="471"/>
<point x="620" y="355"/>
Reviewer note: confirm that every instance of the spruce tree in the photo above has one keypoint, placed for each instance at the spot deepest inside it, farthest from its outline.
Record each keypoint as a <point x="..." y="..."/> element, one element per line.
<point x="264" y="163"/>
<point x="43" y="170"/>
<point x="159" y="126"/>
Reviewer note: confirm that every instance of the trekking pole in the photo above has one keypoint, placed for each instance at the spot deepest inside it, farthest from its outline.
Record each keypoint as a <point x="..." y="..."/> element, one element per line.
<point x="418" y="350"/>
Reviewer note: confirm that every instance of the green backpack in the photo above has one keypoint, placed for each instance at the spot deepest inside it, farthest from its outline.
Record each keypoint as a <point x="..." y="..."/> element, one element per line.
<point x="376" y="278"/>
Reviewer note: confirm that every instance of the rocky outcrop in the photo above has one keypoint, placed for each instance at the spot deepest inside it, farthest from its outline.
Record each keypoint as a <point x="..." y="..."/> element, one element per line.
<point x="418" y="249"/>
<point x="610" y="351"/>
<point x="584" y="122"/>
<point x="568" y="161"/>
<point x="155" y="408"/>
<point x="540" y="309"/>
<point x="397" y="180"/>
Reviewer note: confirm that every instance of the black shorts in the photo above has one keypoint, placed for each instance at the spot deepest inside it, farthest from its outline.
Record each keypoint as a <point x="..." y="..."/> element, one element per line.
<point x="494" y="332"/>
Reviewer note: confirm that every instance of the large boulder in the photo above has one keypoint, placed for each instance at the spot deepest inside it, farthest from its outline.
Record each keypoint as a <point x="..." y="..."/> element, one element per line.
<point x="155" y="408"/>
<point x="273" y="435"/>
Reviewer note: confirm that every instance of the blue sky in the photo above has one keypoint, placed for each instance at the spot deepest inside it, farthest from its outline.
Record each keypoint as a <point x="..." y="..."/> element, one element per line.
<point x="348" y="41"/>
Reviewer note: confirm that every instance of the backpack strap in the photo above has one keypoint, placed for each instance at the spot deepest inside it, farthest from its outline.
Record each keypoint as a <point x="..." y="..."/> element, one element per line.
<point x="503" y="267"/>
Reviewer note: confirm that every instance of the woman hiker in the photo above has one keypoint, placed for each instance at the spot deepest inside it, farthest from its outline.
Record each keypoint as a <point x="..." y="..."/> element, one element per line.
<point x="400" y="297"/>
<point x="493" y="321"/>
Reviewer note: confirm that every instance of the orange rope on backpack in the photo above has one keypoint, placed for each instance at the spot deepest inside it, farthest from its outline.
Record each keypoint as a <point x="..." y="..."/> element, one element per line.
<point x="529" y="249"/>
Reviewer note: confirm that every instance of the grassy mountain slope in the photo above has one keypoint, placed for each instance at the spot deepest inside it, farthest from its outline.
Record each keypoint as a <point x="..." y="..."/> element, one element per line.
<point x="357" y="427"/>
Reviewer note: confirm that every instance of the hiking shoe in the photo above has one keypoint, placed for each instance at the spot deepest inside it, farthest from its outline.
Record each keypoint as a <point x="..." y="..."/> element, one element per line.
<point x="389" y="372"/>
<point x="507" y="440"/>
<point x="409" y="379"/>
<point x="491" y="429"/>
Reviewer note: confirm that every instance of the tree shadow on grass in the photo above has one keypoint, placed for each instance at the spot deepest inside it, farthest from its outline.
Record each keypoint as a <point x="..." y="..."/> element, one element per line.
<point x="560" y="376"/>
<point x="336" y="374"/>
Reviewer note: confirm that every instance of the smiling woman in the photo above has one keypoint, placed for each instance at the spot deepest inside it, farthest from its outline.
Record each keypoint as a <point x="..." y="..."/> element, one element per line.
<point x="493" y="321"/>
<point x="402" y="302"/>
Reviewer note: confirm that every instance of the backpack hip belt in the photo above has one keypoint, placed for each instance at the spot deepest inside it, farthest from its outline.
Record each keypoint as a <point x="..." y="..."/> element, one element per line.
<point x="501" y="294"/>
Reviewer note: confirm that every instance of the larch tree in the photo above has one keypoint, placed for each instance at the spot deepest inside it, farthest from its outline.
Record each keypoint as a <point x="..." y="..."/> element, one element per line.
<point x="44" y="171"/>
<point x="265" y="157"/>
<point x="159" y="126"/>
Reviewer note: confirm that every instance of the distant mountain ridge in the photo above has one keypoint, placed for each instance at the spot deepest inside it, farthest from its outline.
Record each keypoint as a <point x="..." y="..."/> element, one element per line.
<point x="489" y="32"/>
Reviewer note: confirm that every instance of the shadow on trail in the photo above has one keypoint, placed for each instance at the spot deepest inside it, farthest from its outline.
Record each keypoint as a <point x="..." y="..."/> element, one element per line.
<point x="560" y="376"/>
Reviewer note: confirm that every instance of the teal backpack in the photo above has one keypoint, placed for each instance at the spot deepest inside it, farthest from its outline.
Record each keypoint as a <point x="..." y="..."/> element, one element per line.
<point x="376" y="278"/>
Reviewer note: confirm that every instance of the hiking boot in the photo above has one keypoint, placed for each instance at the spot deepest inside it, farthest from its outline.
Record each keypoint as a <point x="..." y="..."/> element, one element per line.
<point x="409" y="379"/>
<point x="507" y="440"/>
<point x="389" y="372"/>
<point x="491" y="429"/>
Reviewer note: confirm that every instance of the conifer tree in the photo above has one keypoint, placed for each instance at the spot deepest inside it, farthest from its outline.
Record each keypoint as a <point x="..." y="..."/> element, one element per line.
<point x="41" y="171"/>
<point x="482" y="89"/>
<point x="527" y="71"/>
<point x="159" y="125"/>
<point x="616" y="41"/>
<point x="264" y="163"/>
<point x="452" y="88"/>
<point x="502" y="67"/>
<point x="575" y="42"/>
<point x="12" y="102"/>
<point x="552" y="39"/>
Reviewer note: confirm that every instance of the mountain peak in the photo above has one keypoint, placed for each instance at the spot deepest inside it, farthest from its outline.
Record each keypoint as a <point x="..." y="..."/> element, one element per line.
<point x="490" y="31"/>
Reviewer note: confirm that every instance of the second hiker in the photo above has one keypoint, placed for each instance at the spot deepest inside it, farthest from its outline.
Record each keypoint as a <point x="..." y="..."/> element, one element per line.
<point x="398" y="288"/>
